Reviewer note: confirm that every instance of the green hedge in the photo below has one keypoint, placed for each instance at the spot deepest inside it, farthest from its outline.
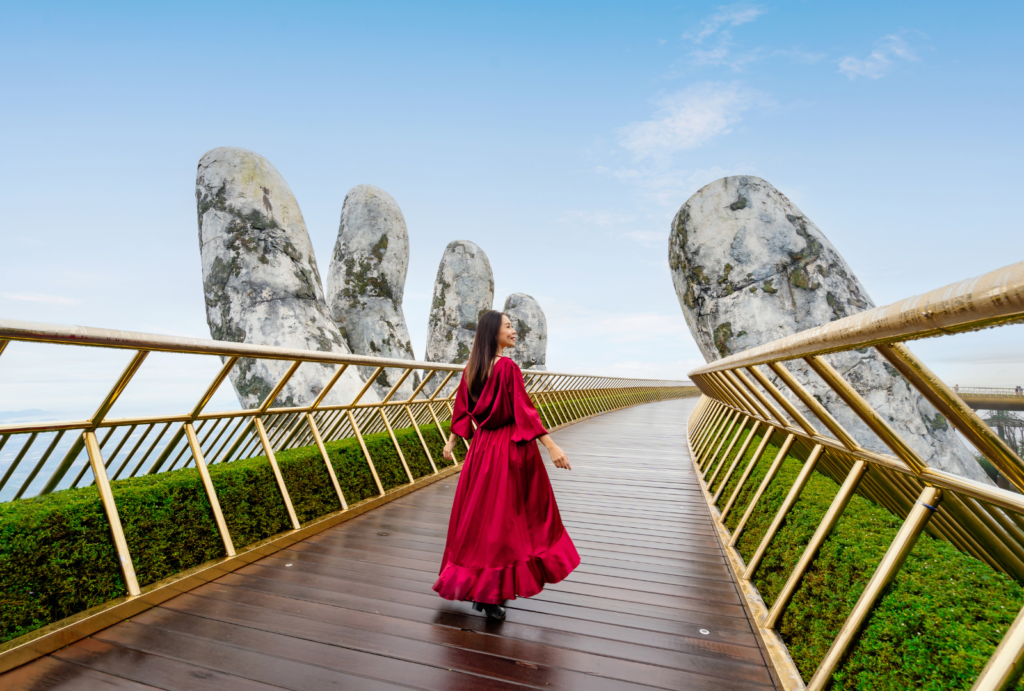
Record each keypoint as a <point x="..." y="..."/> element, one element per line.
<point x="57" y="556"/>
<point x="934" y="628"/>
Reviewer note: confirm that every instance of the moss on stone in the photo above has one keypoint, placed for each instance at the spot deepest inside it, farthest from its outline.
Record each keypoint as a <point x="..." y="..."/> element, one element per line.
<point x="723" y="332"/>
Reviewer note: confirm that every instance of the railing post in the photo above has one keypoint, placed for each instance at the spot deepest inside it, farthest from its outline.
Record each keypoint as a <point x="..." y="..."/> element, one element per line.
<point x="828" y="522"/>
<point x="261" y="430"/>
<point x="327" y="460"/>
<point x="110" y="508"/>
<point x="886" y="571"/>
<point x="780" y="515"/>
<point x="211" y="492"/>
<point x="769" y="476"/>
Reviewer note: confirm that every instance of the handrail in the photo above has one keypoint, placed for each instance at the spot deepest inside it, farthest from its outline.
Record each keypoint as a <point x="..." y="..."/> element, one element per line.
<point x="979" y="519"/>
<point x="992" y="299"/>
<point x="102" y="449"/>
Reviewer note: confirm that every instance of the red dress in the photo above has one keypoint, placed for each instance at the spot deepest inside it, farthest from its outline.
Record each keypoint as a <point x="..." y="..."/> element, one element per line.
<point x="505" y="536"/>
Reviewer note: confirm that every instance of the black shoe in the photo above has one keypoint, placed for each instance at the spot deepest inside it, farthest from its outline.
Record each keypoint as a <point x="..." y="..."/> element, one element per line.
<point x="493" y="612"/>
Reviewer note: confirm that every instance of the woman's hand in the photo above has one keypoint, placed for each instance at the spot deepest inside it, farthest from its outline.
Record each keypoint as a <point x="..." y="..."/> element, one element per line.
<point x="449" y="448"/>
<point x="558" y="457"/>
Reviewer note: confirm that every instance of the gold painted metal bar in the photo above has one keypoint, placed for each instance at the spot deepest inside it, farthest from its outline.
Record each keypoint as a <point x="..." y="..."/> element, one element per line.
<point x="746" y="473"/>
<point x="17" y="461"/>
<point x="725" y="454"/>
<point x="882" y="577"/>
<point x="398" y="383"/>
<point x="1004" y="668"/>
<point x="441" y="386"/>
<point x="327" y="460"/>
<point x="752" y="404"/>
<point x="773" y="412"/>
<point x="716" y="381"/>
<point x="713" y="433"/>
<point x="394" y="440"/>
<point x="39" y="465"/>
<point x="790" y="409"/>
<point x="423" y="382"/>
<point x="238" y="434"/>
<point x="276" y="391"/>
<point x="150" y="449"/>
<point x="736" y="461"/>
<point x="706" y="423"/>
<point x="812" y="404"/>
<point x="211" y="491"/>
<point x="725" y="386"/>
<point x="828" y="523"/>
<point x="366" y="452"/>
<point x="440" y="430"/>
<point x="207" y="396"/>
<point x="110" y="508"/>
<point x="702" y="413"/>
<point x="780" y="515"/>
<point x="738" y="424"/>
<point x="131" y="454"/>
<point x="269" y="450"/>
<point x="423" y="442"/>
<point x="875" y="422"/>
<point x="959" y="414"/>
<point x="330" y="385"/>
<point x="726" y="430"/>
<point x="773" y="470"/>
<point x="120" y="444"/>
<point x="122" y="382"/>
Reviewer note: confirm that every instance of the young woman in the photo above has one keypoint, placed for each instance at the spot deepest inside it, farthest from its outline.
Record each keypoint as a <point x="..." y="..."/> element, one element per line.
<point x="505" y="536"/>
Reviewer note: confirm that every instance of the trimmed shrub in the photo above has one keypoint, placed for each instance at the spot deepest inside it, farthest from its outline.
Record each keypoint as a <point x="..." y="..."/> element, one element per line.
<point x="934" y="628"/>
<point x="57" y="557"/>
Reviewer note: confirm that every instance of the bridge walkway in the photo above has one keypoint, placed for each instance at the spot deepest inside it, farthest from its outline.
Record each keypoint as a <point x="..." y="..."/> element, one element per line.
<point x="652" y="606"/>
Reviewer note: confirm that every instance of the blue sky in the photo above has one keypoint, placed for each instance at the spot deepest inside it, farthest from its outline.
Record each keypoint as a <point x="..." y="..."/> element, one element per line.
<point x="560" y="137"/>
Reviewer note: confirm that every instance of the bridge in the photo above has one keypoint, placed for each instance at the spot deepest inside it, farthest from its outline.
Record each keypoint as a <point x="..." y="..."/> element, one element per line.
<point x="733" y="534"/>
<point x="990" y="398"/>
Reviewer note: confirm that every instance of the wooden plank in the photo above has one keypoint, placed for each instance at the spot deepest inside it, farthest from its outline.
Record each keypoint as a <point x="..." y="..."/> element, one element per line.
<point x="352" y="607"/>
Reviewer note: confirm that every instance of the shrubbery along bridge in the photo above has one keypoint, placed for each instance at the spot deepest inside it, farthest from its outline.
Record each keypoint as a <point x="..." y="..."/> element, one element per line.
<point x="762" y="457"/>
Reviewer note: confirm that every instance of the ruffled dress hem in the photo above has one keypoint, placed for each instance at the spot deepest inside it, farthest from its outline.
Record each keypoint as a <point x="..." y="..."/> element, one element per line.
<point x="526" y="578"/>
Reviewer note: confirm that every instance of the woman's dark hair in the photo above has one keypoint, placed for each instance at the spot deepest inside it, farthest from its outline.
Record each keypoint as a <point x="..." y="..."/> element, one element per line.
<point x="485" y="347"/>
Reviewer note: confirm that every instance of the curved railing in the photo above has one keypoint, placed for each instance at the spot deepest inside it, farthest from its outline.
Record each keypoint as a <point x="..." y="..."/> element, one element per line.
<point x="755" y="389"/>
<point x="96" y="450"/>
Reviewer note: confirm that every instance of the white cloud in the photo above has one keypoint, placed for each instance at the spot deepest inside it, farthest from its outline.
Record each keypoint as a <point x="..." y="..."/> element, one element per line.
<point x="647" y="238"/>
<point x="690" y="118"/>
<point x="722" y="56"/>
<point x="39" y="297"/>
<point x="597" y="218"/>
<point x="881" y="61"/>
<point x="727" y="15"/>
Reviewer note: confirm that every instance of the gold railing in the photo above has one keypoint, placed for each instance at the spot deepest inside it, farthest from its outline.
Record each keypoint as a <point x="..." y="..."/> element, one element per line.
<point x="756" y="391"/>
<point x="986" y="391"/>
<point x="101" y="449"/>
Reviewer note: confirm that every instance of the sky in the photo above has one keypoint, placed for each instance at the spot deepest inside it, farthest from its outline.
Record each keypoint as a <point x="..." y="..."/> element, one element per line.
<point x="560" y="137"/>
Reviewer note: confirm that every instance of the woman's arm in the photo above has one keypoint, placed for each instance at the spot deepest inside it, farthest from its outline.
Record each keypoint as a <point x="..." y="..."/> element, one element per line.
<point x="449" y="448"/>
<point x="558" y="456"/>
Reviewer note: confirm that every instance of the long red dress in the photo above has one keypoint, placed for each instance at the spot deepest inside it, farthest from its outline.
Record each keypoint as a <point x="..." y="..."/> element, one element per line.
<point x="505" y="536"/>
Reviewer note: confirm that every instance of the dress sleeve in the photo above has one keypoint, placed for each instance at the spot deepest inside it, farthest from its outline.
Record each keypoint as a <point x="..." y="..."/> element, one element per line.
<point x="462" y="424"/>
<point x="527" y="419"/>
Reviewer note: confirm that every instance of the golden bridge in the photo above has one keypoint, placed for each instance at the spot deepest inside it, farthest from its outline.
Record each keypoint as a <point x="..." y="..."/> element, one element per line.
<point x="733" y="534"/>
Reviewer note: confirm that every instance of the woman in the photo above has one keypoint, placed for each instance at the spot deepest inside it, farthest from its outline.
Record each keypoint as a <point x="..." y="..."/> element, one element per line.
<point x="505" y="537"/>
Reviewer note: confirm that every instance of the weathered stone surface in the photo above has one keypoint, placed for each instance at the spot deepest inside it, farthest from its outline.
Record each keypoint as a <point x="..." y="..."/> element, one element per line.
<point x="366" y="281"/>
<point x="532" y="331"/>
<point x="463" y="290"/>
<point x="749" y="267"/>
<point x="260" y="277"/>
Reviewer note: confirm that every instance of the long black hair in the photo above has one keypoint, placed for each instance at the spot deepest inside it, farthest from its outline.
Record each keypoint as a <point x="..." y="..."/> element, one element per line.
<point x="485" y="347"/>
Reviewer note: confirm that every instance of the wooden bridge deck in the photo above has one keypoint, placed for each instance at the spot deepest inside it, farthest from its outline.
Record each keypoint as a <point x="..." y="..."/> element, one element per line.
<point x="352" y="608"/>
